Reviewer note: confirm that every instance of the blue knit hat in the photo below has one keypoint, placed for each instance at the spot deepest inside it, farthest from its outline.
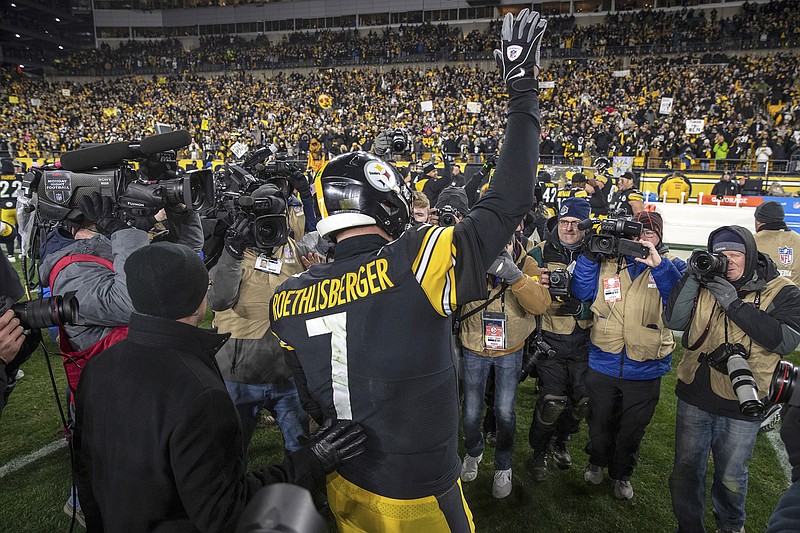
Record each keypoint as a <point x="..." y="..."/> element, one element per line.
<point x="575" y="207"/>
<point x="727" y="240"/>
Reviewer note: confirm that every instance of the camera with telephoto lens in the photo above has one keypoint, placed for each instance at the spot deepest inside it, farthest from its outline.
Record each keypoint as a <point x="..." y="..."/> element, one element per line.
<point x="194" y="189"/>
<point x="613" y="237"/>
<point x="559" y="283"/>
<point x="707" y="265"/>
<point x="47" y="312"/>
<point x="784" y="387"/>
<point x="731" y="359"/>
<point x="448" y="215"/>
<point x="536" y="349"/>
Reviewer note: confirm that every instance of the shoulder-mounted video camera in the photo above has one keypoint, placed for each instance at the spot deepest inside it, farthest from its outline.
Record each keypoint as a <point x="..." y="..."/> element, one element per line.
<point x="267" y="215"/>
<point x="105" y="168"/>
<point x="613" y="237"/>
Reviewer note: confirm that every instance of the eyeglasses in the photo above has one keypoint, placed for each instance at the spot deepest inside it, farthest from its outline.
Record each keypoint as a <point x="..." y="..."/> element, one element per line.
<point x="649" y="234"/>
<point x="567" y="223"/>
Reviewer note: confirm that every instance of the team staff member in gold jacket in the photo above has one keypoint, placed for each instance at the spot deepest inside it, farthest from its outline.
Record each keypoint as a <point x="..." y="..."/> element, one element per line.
<point x="252" y="362"/>
<point x="493" y="334"/>
<point x="629" y="350"/>
<point x="776" y="240"/>
<point x="751" y="305"/>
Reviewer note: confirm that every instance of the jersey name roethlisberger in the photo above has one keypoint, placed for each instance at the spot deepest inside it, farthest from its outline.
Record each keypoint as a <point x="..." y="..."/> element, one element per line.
<point x="371" y="278"/>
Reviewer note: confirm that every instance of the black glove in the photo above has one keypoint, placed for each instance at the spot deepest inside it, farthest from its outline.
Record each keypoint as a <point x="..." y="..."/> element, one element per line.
<point x="594" y="257"/>
<point x="236" y="237"/>
<point x="520" y="48"/>
<point x="490" y="161"/>
<point x="100" y="210"/>
<point x="299" y="181"/>
<point x="335" y="445"/>
<point x="571" y="307"/>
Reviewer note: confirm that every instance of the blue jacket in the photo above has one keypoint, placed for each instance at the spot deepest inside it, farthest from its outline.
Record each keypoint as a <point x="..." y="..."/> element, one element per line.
<point x="585" y="282"/>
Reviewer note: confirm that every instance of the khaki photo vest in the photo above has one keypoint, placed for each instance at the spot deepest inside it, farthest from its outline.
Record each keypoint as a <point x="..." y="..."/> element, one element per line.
<point x="249" y="317"/>
<point x="625" y="323"/>
<point x="560" y="325"/>
<point x="707" y="312"/>
<point x="781" y="246"/>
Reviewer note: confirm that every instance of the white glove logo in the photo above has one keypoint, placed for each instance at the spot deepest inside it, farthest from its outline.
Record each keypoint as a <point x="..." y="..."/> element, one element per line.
<point x="513" y="52"/>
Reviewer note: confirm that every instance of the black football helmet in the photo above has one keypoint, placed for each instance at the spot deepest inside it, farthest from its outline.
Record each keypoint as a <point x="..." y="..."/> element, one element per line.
<point x="361" y="189"/>
<point x="602" y="164"/>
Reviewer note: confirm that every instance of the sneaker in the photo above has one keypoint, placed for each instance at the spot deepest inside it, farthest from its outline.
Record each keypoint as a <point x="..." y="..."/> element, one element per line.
<point x="68" y="509"/>
<point x="719" y="530"/>
<point x="469" y="469"/>
<point x="20" y="374"/>
<point x="622" y="489"/>
<point x="593" y="474"/>
<point x="491" y="439"/>
<point x="771" y="418"/>
<point x="265" y="420"/>
<point x="538" y="467"/>
<point x="502" y="483"/>
<point x="11" y="258"/>
<point x="560" y="454"/>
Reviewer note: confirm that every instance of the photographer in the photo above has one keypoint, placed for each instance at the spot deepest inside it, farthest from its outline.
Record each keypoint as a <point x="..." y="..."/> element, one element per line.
<point x="15" y="345"/>
<point x="155" y="425"/>
<point x="776" y="240"/>
<point x="242" y="283"/>
<point x="563" y="400"/>
<point x="492" y="334"/>
<point x="451" y="207"/>
<point x="630" y="349"/>
<point x="735" y="304"/>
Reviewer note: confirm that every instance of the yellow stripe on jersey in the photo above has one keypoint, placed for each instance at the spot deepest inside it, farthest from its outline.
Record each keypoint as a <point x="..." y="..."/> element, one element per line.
<point x="280" y="341"/>
<point x="358" y="510"/>
<point x="434" y="268"/>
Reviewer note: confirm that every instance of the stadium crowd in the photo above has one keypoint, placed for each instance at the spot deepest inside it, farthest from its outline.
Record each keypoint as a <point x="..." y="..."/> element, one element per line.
<point x="756" y="26"/>
<point x="591" y="112"/>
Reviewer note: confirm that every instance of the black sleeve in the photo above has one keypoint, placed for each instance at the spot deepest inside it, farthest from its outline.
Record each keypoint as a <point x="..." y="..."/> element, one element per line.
<point x="493" y="219"/>
<point x="474" y="184"/>
<point x="599" y="202"/>
<point x="715" y="191"/>
<point x="310" y="406"/>
<point x="778" y="328"/>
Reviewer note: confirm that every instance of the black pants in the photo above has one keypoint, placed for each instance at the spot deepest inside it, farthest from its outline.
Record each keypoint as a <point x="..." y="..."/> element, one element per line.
<point x="620" y="411"/>
<point x="559" y="377"/>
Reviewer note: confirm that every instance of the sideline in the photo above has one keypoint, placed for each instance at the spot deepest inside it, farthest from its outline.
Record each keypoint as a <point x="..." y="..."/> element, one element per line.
<point x="774" y="439"/>
<point x="25" y="460"/>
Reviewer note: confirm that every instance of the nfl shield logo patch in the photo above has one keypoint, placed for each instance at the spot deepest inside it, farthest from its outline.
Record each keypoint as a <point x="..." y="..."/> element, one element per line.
<point x="785" y="255"/>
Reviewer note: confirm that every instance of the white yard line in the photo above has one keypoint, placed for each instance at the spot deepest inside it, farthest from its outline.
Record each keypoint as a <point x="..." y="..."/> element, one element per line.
<point x="25" y="460"/>
<point x="774" y="439"/>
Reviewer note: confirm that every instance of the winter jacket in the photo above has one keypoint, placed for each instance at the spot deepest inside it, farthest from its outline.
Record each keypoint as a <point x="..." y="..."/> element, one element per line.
<point x="158" y="441"/>
<point x="520" y="302"/>
<point x="641" y="364"/>
<point x="766" y="330"/>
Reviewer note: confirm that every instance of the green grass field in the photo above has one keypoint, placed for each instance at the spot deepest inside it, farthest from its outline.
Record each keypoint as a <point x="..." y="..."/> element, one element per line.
<point x="31" y="499"/>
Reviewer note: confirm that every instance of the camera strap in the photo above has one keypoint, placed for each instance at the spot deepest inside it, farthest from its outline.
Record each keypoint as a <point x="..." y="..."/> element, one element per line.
<point x="757" y="303"/>
<point x="458" y="318"/>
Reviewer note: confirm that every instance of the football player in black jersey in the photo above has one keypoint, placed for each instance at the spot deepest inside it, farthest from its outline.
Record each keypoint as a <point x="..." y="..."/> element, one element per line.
<point x="627" y="198"/>
<point x="368" y="335"/>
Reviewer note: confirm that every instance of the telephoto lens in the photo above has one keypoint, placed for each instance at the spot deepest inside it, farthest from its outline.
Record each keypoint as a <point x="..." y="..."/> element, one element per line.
<point x="744" y="385"/>
<point x="47" y="312"/>
<point x="783" y="387"/>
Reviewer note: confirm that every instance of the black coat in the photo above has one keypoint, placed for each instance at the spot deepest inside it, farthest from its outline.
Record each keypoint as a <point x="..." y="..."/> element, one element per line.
<point x="158" y="441"/>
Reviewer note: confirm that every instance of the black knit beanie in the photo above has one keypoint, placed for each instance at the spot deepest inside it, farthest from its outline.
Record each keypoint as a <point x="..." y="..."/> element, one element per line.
<point x="166" y="280"/>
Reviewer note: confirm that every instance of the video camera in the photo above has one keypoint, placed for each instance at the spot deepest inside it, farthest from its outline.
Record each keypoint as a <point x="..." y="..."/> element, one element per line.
<point x="105" y="168"/>
<point x="267" y="216"/>
<point x="612" y="237"/>
<point x="707" y="265"/>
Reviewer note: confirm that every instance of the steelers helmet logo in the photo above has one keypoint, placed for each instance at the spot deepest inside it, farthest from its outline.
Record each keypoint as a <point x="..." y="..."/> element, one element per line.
<point x="380" y="176"/>
<point x="513" y="52"/>
<point x="564" y="210"/>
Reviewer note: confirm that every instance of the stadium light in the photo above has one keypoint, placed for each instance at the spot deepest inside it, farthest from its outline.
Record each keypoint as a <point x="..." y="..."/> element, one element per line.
<point x="16" y="35"/>
<point x="60" y="47"/>
<point x="58" y="19"/>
